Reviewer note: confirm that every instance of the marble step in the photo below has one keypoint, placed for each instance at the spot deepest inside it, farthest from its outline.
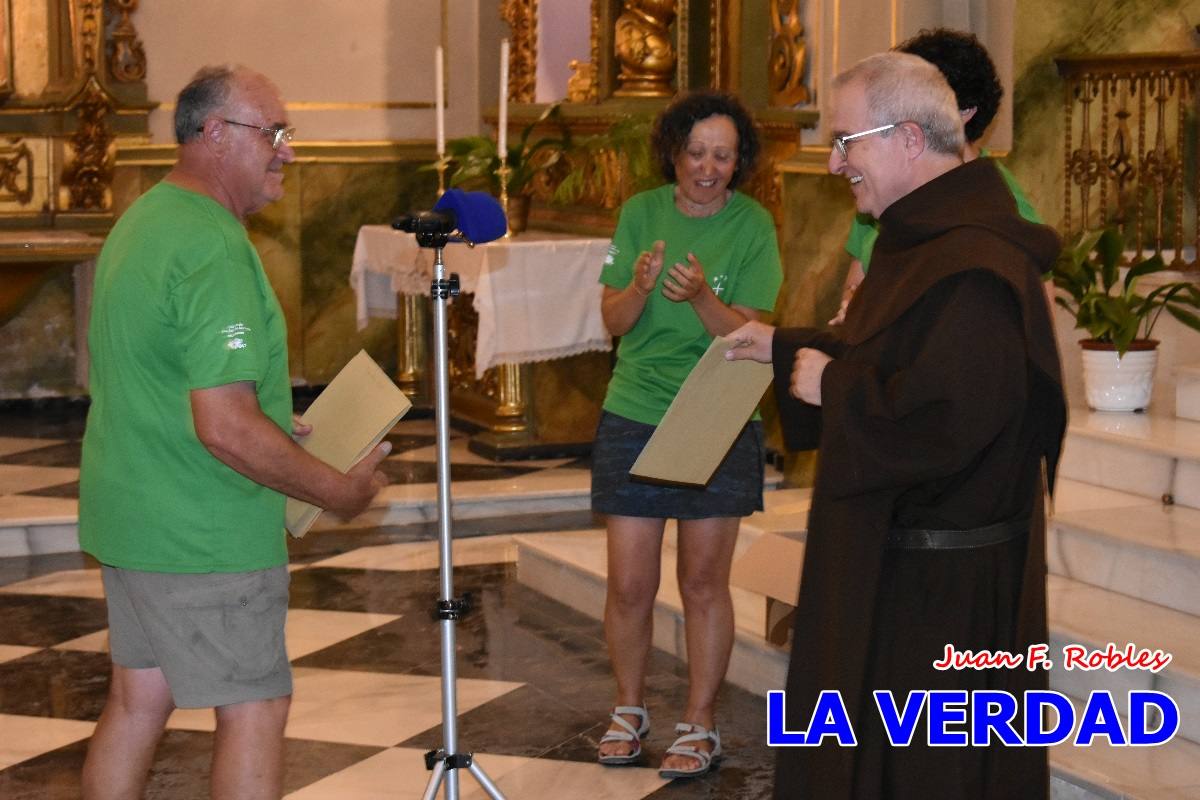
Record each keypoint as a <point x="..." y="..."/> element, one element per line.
<point x="1144" y="454"/>
<point x="1102" y="772"/>
<point x="1187" y="392"/>
<point x="1085" y="615"/>
<point x="570" y="567"/>
<point x="1149" y="552"/>
<point x="33" y="525"/>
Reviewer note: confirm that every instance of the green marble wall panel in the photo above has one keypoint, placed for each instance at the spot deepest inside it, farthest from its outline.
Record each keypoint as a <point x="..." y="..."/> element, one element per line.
<point x="306" y="241"/>
<point x="1049" y="28"/>
<point x="338" y="199"/>
<point x="37" y="346"/>
<point x="566" y="395"/>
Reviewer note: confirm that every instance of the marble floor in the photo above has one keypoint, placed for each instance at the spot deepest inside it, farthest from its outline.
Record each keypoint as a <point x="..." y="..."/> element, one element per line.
<point x="533" y="676"/>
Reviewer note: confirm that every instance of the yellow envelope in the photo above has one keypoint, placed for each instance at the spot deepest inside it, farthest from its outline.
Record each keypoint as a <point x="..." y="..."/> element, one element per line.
<point x="352" y="415"/>
<point x="704" y="419"/>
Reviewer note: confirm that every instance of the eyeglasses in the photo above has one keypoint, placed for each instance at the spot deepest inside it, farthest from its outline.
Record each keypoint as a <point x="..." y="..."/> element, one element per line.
<point x="277" y="135"/>
<point x="840" y="141"/>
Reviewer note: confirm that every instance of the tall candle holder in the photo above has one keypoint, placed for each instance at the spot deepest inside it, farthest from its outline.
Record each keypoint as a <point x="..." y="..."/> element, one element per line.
<point x="441" y="173"/>
<point x="503" y="174"/>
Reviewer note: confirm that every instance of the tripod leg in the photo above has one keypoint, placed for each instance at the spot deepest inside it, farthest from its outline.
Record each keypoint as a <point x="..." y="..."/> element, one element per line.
<point x="435" y="781"/>
<point x="493" y="791"/>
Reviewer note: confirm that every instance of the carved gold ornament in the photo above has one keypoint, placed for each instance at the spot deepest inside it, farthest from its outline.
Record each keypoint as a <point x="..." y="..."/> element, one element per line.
<point x="644" y="49"/>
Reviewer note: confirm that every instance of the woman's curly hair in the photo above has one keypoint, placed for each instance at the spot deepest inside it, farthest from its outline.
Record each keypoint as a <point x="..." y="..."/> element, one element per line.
<point x="968" y="69"/>
<point x="674" y="125"/>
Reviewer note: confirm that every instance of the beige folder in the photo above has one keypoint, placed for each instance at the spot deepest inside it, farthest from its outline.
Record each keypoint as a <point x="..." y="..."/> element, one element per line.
<point x="349" y="418"/>
<point x="704" y="419"/>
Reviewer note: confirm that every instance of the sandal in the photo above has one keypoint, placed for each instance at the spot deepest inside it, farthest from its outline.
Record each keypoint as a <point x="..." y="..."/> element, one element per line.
<point x="685" y="745"/>
<point x="623" y="731"/>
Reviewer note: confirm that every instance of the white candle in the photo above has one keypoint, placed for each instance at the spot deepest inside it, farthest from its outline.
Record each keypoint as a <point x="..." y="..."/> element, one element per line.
<point x="502" y="126"/>
<point x="440" y="102"/>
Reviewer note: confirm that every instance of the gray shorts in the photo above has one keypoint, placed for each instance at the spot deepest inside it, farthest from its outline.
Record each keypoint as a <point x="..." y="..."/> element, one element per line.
<point x="218" y="637"/>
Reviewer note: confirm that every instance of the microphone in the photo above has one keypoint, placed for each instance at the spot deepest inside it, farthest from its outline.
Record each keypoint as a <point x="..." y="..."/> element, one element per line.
<point x="477" y="215"/>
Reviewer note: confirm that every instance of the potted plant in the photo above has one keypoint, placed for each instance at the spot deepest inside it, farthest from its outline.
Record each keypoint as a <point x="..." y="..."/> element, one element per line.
<point x="473" y="162"/>
<point x="607" y="168"/>
<point x="1119" y="354"/>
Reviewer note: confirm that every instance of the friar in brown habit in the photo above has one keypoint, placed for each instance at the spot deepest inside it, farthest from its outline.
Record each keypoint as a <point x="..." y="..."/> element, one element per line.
<point x="934" y="410"/>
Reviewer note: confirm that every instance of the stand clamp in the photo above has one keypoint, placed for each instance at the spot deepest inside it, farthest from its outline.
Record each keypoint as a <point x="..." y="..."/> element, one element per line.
<point x="442" y="288"/>
<point x="458" y="761"/>
<point x="458" y="608"/>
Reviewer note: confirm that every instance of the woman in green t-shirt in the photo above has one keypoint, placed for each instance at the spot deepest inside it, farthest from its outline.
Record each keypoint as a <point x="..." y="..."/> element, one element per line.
<point x="690" y="260"/>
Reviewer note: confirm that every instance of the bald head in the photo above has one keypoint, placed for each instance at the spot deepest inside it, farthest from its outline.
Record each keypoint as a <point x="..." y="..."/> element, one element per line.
<point x="904" y="87"/>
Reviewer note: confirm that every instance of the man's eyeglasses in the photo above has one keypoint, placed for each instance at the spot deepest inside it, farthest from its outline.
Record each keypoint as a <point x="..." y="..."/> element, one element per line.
<point x="277" y="135"/>
<point x="840" y="141"/>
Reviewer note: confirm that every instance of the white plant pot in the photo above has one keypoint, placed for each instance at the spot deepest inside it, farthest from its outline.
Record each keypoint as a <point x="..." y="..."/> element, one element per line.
<point x="1115" y="383"/>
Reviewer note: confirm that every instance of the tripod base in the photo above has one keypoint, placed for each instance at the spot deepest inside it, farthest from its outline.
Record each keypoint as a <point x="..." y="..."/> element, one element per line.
<point x="442" y="764"/>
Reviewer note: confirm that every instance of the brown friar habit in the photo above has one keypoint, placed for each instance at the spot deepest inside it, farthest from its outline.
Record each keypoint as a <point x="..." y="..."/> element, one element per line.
<point x="941" y="404"/>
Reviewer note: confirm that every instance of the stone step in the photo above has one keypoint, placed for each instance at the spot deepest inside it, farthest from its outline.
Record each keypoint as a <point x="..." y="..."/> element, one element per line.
<point x="1144" y="454"/>
<point x="1187" y="392"/>
<point x="571" y="567"/>
<point x="1103" y="772"/>
<point x="1085" y="615"/>
<point x="1148" y="552"/>
<point x="32" y="525"/>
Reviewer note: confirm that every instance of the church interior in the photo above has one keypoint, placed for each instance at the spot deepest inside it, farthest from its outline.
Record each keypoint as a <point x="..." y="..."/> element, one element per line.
<point x="1099" y="124"/>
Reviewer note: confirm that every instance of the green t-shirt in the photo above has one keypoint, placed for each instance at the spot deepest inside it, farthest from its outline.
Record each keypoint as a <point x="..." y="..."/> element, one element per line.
<point x="865" y="228"/>
<point x="181" y="302"/>
<point x="740" y="256"/>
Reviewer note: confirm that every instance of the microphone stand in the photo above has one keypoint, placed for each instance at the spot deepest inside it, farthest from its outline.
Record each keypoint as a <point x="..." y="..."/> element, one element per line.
<point x="446" y="762"/>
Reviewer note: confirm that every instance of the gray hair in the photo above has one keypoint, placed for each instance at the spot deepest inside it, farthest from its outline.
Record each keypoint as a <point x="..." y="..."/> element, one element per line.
<point x="905" y="88"/>
<point x="208" y="91"/>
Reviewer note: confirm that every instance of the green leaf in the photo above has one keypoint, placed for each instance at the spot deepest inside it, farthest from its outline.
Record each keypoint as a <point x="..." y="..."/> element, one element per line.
<point x="1109" y="248"/>
<point x="1146" y="267"/>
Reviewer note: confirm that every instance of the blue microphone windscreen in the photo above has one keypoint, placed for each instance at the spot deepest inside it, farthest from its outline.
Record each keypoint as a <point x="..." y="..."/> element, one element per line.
<point x="479" y="215"/>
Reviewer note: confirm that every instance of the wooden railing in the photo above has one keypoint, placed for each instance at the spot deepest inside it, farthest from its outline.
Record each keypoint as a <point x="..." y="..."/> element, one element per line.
<point x="1130" y="150"/>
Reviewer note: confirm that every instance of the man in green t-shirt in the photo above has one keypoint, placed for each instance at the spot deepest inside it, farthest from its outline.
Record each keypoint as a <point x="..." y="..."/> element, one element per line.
<point x="187" y="458"/>
<point x="969" y="70"/>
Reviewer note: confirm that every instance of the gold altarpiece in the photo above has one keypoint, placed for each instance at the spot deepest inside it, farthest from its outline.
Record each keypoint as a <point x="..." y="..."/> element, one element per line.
<point x="61" y="109"/>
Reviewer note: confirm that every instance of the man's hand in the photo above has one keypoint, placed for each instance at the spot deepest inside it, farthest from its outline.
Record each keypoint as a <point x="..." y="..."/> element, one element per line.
<point x="752" y="340"/>
<point x="299" y="429"/>
<point x="364" y="480"/>
<point x="806" y="375"/>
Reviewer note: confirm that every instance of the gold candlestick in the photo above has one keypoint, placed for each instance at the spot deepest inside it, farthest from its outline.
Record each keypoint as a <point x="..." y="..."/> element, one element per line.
<point x="503" y="173"/>
<point x="441" y="171"/>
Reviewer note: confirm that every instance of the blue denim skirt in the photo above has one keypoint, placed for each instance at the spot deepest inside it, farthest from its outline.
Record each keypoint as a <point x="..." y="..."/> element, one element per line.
<point x="735" y="489"/>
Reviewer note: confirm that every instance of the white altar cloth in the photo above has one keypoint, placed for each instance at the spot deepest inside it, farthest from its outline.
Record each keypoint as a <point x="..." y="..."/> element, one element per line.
<point x="537" y="295"/>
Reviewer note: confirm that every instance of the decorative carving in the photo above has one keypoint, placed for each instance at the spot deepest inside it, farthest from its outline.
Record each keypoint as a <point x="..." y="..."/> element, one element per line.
<point x="644" y="49"/>
<point x="522" y="19"/>
<point x="89" y="37"/>
<point x="1146" y="165"/>
<point x="89" y="176"/>
<point x="127" y="58"/>
<point x="789" y="54"/>
<point x="16" y="161"/>
<point x="581" y="86"/>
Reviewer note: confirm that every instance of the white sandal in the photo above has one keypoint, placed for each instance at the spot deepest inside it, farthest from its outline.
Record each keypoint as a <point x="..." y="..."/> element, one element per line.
<point x="623" y="731"/>
<point x="686" y="745"/>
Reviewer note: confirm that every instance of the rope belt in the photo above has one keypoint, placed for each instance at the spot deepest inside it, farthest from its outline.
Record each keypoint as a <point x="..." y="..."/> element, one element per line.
<point x="922" y="539"/>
